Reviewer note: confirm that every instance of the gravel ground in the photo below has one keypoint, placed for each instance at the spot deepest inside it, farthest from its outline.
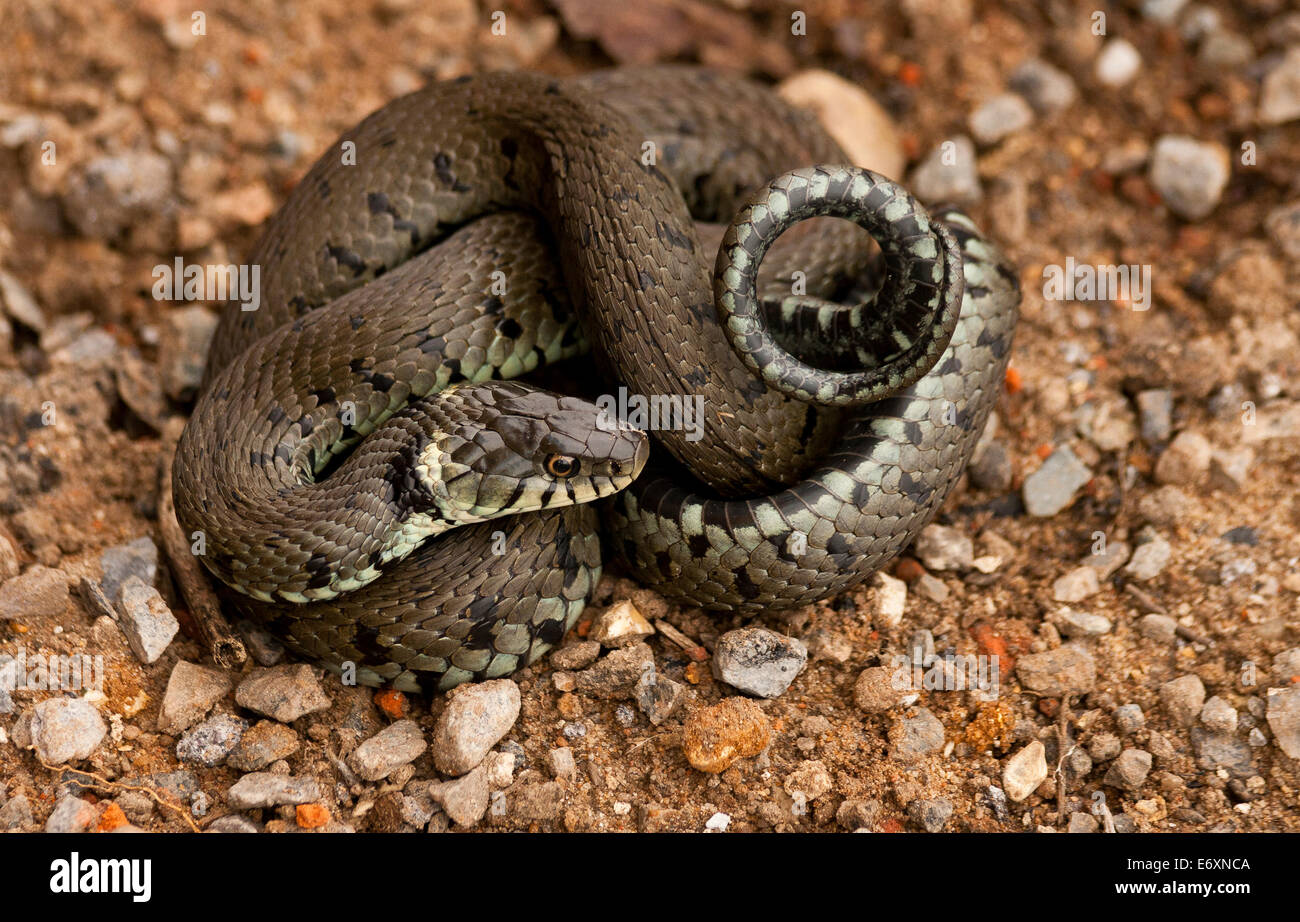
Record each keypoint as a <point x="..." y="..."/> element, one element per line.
<point x="1126" y="541"/>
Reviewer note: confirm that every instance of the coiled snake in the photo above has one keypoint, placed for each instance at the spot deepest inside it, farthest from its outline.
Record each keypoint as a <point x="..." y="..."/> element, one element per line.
<point x="478" y="229"/>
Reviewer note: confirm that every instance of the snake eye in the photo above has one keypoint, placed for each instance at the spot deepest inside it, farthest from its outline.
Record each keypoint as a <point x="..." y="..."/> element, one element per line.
<point x="561" y="466"/>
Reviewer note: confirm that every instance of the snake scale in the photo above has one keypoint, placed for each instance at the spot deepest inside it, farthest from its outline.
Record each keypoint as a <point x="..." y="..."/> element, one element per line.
<point x="357" y="454"/>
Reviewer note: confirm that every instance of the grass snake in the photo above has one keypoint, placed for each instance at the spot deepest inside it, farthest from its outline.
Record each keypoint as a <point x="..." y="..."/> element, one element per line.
<point x="479" y="229"/>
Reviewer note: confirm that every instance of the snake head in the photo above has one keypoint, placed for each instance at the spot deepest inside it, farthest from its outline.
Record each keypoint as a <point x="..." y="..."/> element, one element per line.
<point x="502" y="448"/>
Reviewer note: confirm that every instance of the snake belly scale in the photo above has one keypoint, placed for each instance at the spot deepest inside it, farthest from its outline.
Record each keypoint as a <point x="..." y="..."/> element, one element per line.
<point x="499" y="223"/>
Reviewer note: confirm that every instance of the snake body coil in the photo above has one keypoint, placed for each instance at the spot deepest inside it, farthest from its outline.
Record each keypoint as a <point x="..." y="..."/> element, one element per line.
<point x="427" y="271"/>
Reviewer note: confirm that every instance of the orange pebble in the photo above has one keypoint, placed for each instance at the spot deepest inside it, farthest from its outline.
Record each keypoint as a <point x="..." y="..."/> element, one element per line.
<point x="1014" y="381"/>
<point x="909" y="74"/>
<point x="393" y="703"/>
<point x="312" y="816"/>
<point x="112" y="818"/>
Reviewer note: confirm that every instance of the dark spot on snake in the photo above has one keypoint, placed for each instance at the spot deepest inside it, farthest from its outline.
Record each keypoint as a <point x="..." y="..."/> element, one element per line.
<point x="551" y="632"/>
<point x="746" y="586"/>
<point x="282" y="453"/>
<point x="323" y="187"/>
<point x="838" y="544"/>
<point x="987" y="338"/>
<point x="356" y="320"/>
<point x="912" y="431"/>
<point x="256" y="458"/>
<point x="493" y="306"/>
<point x="481" y="609"/>
<point x="509" y="327"/>
<point x="699" y="545"/>
<point x="306" y="425"/>
<point x="674" y="238"/>
<point x="453" y="369"/>
<point x="381" y="382"/>
<point x="378" y="203"/>
<point x="345" y="257"/>
<point x="686" y="128"/>
<point x="977" y="291"/>
<point x="552" y="89"/>
<point x="358" y="367"/>
<point x="463" y="79"/>
<point x="410" y="228"/>
<point x="917" y="491"/>
<point x="570" y="337"/>
<point x="366" y="640"/>
<point x="810" y="418"/>
<point x="298" y="304"/>
<point x="950" y="365"/>
<point x="442" y="167"/>
<point x="296" y="326"/>
<point x="324" y="395"/>
<point x="645" y="280"/>
<point x="276" y="416"/>
<point x="223" y="394"/>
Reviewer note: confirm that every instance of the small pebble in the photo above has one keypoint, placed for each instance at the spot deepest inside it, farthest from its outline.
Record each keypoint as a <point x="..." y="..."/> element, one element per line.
<point x="396" y="745"/>
<point x="464" y="799"/>
<point x="1190" y="175"/>
<point x="1118" y="63"/>
<point x="876" y="690"/>
<point x="1186" y="459"/>
<point x="1155" y="415"/>
<point x="1053" y="486"/>
<point x="1220" y="716"/>
<point x="1084" y="624"/>
<point x="916" y="736"/>
<point x="1082" y="822"/>
<point x="948" y="173"/>
<point x="473" y="722"/>
<point x="891" y="599"/>
<point x="1067" y="670"/>
<point x="1023" y="772"/>
<point x="191" y="692"/>
<point x="620" y="625"/>
<point x="209" y="742"/>
<point x="1279" y="97"/>
<point x="1129" y="719"/>
<point x="1284" y="719"/>
<point x="758" y="662"/>
<point x="715" y="737"/>
<point x="265" y="742"/>
<point x="1002" y="115"/>
<point x="1077" y="585"/>
<point x="1283" y="225"/>
<point x="66" y="729"/>
<point x="139" y="558"/>
<point x="283" y="693"/>
<point x="263" y="789"/>
<point x="1048" y="89"/>
<point x="72" y="814"/>
<point x="930" y="815"/>
<point x="574" y="656"/>
<point x="942" y="548"/>
<point x="147" y="622"/>
<point x="1183" y="699"/>
<point x="658" y="696"/>
<point x="1149" y="559"/>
